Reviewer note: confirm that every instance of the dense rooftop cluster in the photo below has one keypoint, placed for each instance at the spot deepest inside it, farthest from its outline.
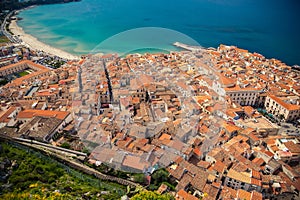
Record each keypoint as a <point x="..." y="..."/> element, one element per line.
<point x="222" y="121"/>
<point x="36" y="100"/>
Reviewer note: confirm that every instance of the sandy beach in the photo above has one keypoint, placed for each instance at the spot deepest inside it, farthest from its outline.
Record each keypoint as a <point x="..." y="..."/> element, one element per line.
<point x="35" y="44"/>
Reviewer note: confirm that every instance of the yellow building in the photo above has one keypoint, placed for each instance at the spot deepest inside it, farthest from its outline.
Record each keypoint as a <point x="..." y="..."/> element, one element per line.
<point x="281" y="109"/>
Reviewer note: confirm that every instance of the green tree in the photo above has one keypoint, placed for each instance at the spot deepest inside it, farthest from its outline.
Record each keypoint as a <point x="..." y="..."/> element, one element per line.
<point x="160" y="176"/>
<point x="65" y="145"/>
<point x="139" y="178"/>
<point x="149" y="195"/>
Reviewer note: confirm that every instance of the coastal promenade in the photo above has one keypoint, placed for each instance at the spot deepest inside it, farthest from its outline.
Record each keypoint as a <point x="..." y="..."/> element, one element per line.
<point x="18" y="36"/>
<point x="11" y="37"/>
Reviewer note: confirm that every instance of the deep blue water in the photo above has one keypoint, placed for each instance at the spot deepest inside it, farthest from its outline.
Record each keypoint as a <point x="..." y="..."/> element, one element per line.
<point x="269" y="27"/>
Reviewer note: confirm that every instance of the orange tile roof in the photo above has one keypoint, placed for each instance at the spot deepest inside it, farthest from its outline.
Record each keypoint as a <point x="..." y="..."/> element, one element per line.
<point x="231" y="113"/>
<point x="147" y="148"/>
<point x="255" y="182"/>
<point x="45" y="93"/>
<point x="255" y="174"/>
<point x="165" y="136"/>
<point x="81" y="61"/>
<point x="30" y="113"/>
<point x="216" y="184"/>
<point x="253" y="137"/>
<point x="242" y="194"/>
<point x="135" y="100"/>
<point x="183" y="195"/>
<point x="28" y="62"/>
<point x="268" y="153"/>
<point x="230" y="127"/>
<point x="227" y="81"/>
<point x="249" y="110"/>
<point x="20" y="80"/>
<point x="178" y="159"/>
<point x="238" y="88"/>
<point x="197" y="152"/>
<point x="256" y="195"/>
<point x="130" y="146"/>
<point x="239" y="176"/>
<point x="211" y="192"/>
<point x="228" y="193"/>
<point x="203" y="164"/>
<point x="201" y="99"/>
<point x="134" y="162"/>
<point x="274" y="148"/>
<point x="283" y="104"/>
<point x="258" y="161"/>
<point x="219" y="166"/>
<point x="204" y="129"/>
<point x="292" y="147"/>
<point x="163" y="187"/>
<point x="4" y="116"/>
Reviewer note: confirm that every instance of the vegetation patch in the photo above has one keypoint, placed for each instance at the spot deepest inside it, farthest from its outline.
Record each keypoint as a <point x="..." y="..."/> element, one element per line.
<point x="150" y="195"/>
<point x="26" y="174"/>
<point x="23" y="73"/>
<point x="161" y="176"/>
<point x="4" y="39"/>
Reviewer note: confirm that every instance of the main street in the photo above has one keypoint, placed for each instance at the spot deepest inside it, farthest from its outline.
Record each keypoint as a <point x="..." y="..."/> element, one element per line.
<point x="11" y="37"/>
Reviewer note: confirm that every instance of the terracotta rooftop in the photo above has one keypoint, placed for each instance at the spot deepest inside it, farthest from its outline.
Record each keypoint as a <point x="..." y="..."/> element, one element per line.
<point x="183" y="195"/>
<point x="256" y="195"/>
<point x="219" y="167"/>
<point x="228" y="193"/>
<point x="23" y="62"/>
<point x="242" y="194"/>
<point x="134" y="162"/>
<point x="292" y="147"/>
<point x="5" y="116"/>
<point x="42" y="113"/>
<point x="239" y="89"/>
<point x="239" y="176"/>
<point x="211" y="191"/>
<point x="284" y="104"/>
<point x="20" y="80"/>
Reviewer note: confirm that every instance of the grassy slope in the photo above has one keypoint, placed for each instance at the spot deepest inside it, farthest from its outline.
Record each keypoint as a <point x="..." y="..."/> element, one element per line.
<point x="39" y="178"/>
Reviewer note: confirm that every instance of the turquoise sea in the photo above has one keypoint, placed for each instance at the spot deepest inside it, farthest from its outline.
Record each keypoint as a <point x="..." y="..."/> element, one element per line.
<point x="269" y="27"/>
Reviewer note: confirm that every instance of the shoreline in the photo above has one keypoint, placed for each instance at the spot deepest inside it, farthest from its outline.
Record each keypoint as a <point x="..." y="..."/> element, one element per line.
<point x="35" y="44"/>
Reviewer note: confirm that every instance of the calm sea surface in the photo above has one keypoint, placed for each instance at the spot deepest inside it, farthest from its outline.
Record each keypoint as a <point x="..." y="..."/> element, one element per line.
<point x="271" y="28"/>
